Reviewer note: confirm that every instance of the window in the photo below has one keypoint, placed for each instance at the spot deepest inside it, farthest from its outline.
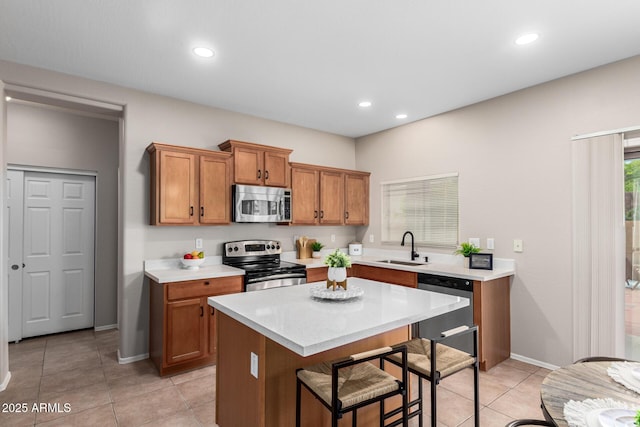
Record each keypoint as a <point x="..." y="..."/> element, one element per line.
<point x="426" y="206"/>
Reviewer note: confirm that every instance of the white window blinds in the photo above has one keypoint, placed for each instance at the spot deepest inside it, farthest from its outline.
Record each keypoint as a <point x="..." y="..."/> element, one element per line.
<point x="426" y="206"/>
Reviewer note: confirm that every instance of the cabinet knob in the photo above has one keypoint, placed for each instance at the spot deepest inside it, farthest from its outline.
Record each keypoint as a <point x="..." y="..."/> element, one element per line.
<point x="191" y="211"/>
<point x="346" y="215"/>
<point x="259" y="174"/>
<point x="315" y="214"/>
<point x="321" y="214"/>
<point x="266" y="174"/>
<point x="201" y="311"/>
<point x="211" y="310"/>
<point x="201" y="210"/>
<point x="207" y="283"/>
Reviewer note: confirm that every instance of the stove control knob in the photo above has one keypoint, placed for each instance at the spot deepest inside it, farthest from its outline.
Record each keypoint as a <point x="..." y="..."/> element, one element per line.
<point x="235" y="249"/>
<point x="278" y="247"/>
<point x="229" y="249"/>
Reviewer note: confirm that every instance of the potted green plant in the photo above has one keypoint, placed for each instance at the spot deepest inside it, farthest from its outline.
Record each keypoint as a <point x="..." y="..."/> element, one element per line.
<point x="467" y="249"/>
<point x="338" y="262"/>
<point x="316" y="247"/>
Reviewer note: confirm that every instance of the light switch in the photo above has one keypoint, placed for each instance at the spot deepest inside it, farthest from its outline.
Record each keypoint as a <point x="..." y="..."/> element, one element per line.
<point x="371" y="239"/>
<point x="198" y="243"/>
<point x="254" y="364"/>
<point x="517" y="245"/>
<point x="333" y="237"/>
<point x="490" y="243"/>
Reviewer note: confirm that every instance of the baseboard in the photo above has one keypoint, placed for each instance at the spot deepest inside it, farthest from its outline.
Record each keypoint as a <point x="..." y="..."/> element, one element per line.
<point x="5" y="382"/>
<point x="534" y="362"/>
<point x="125" y="360"/>
<point x="105" y="327"/>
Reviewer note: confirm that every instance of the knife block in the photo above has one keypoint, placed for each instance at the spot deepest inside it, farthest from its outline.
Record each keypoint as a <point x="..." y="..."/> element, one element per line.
<point x="304" y="252"/>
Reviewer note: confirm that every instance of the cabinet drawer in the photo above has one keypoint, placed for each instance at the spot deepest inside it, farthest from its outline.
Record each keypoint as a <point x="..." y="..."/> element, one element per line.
<point x="204" y="287"/>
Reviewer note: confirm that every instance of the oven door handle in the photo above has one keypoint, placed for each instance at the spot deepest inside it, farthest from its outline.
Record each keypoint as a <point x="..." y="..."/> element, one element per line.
<point x="277" y="277"/>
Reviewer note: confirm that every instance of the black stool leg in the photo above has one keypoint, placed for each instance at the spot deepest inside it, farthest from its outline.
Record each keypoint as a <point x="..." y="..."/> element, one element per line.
<point x="476" y="395"/>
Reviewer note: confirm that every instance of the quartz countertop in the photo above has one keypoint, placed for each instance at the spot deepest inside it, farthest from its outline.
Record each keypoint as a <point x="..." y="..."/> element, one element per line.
<point x="306" y="325"/>
<point x="441" y="268"/>
<point x="171" y="270"/>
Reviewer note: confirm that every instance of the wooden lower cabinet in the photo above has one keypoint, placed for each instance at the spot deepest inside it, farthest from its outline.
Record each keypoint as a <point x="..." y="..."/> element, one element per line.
<point x="492" y="315"/>
<point x="182" y="324"/>
<point x="388" y="275"/>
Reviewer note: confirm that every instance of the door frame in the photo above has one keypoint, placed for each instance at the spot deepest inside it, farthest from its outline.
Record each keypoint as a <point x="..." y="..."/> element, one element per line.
<point x="61" y="171"/>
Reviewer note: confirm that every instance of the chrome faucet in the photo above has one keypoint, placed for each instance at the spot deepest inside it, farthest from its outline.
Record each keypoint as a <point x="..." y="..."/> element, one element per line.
<point x="414" y="254"/>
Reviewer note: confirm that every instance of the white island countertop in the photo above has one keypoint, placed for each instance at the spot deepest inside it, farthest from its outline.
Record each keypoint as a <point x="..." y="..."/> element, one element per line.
<point x="306" y="325"/>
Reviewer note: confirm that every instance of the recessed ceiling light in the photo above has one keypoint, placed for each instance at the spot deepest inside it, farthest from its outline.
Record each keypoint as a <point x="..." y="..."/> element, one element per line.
<point x="527" y="38"/>
<point x="401" y="116"/>
<point x="7" y="98"/>
<point x="365" y="104"/>
<point x="203" y="52"/>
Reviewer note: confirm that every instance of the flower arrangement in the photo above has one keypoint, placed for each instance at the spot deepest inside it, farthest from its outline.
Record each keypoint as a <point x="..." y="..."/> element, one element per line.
<point x="467" y="249"/>
<point x="337" y="259"/>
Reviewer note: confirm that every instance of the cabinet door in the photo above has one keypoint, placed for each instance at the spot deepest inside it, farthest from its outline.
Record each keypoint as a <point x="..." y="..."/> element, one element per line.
<point x="177" y="188"/>
<point x="185" y="331"/>
<point x="331" y="197"/>
<point x="215" y="195"/>
<point x="304" y="196"/>
<point x="276" y="166"/>
<point x="356" y="192"/>
<point x="248" y="166"/>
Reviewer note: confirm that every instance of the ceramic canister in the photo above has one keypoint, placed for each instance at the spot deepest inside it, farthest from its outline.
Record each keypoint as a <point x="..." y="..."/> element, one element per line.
<point x="355" y="248"/>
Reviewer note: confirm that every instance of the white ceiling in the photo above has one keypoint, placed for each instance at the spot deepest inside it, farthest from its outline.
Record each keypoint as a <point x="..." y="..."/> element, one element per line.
<point x="309" y="62"/>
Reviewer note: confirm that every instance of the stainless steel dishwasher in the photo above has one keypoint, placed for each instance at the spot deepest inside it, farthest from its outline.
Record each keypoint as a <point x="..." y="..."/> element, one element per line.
<point x="433" y="327"/>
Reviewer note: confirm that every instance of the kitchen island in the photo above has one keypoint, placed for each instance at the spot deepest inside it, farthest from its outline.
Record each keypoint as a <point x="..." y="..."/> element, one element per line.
<point x="263" y="337"/>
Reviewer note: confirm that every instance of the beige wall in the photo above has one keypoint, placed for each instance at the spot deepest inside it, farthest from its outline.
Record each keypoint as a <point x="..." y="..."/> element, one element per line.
<point x="38" y="136"/>
<point x="514" y="159"/>
<point x="154" y="118"/>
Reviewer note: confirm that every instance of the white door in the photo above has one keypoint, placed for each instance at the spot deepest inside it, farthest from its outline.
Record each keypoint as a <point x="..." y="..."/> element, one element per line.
<point x="58" y="277"/>
<point x="14" y="201"/>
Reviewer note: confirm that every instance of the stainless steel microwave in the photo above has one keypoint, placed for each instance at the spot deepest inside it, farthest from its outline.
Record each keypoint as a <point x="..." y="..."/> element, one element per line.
<point x="253" y="203"/>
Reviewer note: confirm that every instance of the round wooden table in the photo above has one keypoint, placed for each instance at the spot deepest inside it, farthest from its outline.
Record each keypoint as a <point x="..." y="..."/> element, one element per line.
<point x="581" y="381"/>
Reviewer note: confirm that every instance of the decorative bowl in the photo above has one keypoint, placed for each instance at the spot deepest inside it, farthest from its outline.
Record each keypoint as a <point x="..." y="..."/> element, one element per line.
<point x="191" y="264"/>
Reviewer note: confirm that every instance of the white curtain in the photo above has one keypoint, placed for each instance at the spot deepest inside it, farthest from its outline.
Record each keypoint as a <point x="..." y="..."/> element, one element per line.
<point x="598" y="246"/>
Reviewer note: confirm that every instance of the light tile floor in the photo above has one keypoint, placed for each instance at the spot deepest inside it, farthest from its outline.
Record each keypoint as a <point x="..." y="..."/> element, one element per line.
<point x="81" y="369"/>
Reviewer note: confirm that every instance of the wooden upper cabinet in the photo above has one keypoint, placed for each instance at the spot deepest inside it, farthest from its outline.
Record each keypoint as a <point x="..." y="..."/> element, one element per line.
<point x="215" y="190"/>
<point x="189" y="186"/>
<point x="328" y="196"/>
<point x="331" y="197"/>
<point x="356" y="198"/>
<point x="256" y="164"/>
<point x="304" y="195"/>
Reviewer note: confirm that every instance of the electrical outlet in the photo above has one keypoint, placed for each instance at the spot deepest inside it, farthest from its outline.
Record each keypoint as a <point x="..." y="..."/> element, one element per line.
<point x="490" y="243"/>
<point x="371" y="239"/>
<point x="475" y="241"/>
<point x="333" y="237"/>
<point x="518" y="245"/>
<point x="198" y="243"/>
<point x="254" y="364"/>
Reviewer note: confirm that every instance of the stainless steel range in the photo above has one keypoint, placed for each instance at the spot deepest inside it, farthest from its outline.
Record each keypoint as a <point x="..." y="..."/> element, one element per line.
<point x="260" y="259"/>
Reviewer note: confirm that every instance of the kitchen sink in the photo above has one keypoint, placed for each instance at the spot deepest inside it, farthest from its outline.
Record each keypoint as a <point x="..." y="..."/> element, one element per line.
<point x="394" y="261"/>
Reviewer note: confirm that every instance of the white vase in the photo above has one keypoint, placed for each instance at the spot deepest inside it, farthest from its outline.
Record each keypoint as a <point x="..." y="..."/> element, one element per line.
<point x="316" y="254"/>
<point x="337" y="274"/>
<point x="466" y="262"/>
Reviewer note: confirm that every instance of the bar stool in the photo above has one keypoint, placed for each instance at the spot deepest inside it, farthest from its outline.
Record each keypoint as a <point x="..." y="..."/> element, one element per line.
<point x="447" y="362"/>
<point x="347" y="384"/>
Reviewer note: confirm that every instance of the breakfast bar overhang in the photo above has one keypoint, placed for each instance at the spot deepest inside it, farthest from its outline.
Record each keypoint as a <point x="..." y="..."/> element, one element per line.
<point x="263" y="337"/>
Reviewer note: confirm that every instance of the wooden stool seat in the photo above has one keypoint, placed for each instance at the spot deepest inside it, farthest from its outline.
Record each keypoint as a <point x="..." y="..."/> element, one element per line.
<point x="348" y="384"/>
